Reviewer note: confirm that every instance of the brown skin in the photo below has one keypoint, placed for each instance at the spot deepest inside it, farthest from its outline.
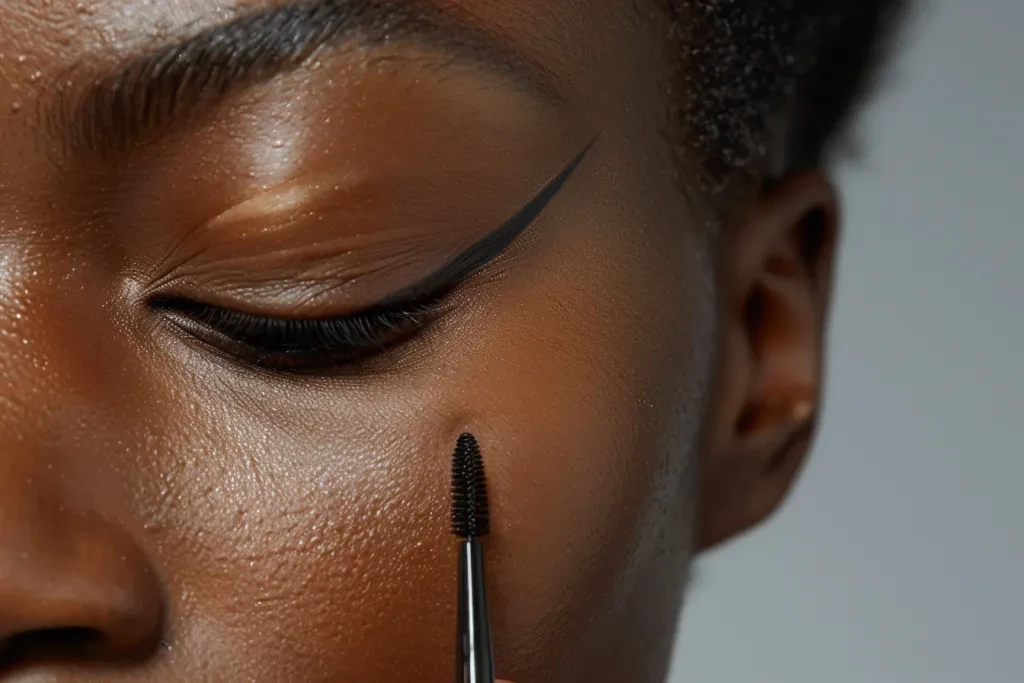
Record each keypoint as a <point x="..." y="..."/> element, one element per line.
<point x="208" y="521"/>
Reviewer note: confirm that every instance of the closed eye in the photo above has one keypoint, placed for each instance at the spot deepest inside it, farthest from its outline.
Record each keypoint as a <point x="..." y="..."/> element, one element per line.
<point x="319" y="344"/>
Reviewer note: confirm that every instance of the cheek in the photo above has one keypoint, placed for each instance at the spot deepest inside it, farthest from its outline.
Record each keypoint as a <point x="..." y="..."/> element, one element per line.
<point x="588" y="407"/>
<point x="296" y="557"/>
<point x="571" y="474"/>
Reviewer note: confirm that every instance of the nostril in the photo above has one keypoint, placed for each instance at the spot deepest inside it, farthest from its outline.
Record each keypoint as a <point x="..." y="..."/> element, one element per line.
<point x="51" y="644"/>
<point x="71" y="640"/>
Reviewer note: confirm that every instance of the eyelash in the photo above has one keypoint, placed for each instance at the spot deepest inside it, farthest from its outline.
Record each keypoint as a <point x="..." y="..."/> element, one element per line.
<point x="296" y="345"/>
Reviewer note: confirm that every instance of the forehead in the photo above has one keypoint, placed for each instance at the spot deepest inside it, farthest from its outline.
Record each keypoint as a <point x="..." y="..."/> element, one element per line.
<point x="600" y="53"/>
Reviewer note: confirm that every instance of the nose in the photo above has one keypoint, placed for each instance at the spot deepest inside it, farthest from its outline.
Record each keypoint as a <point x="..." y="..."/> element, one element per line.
<point x="72" y="585"/>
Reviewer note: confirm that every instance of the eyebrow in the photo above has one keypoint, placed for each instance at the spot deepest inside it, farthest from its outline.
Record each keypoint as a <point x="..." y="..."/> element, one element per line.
<point x="156" y="89"/>
<point x="487" y="248"/>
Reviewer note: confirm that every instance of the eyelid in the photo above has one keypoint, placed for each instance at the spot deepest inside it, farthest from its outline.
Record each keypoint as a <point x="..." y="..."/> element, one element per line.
<point x="458" y="268"/>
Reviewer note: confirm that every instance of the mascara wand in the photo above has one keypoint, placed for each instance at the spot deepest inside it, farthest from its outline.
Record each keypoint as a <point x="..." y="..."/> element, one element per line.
<point x="470" y="521"/>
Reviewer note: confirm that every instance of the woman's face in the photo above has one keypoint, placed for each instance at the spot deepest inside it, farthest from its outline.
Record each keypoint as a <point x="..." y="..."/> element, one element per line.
<point x="214" y="466"/>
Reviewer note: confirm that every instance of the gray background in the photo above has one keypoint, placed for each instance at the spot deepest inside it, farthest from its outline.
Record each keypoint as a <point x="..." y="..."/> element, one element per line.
<point x="901" y="555"/>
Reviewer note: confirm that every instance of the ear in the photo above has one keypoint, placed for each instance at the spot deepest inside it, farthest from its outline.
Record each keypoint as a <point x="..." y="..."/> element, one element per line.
<point x="776" y="280"/>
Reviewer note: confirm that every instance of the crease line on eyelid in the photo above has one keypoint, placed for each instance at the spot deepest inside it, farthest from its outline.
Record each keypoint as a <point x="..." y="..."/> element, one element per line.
<point x="312" y="286"/>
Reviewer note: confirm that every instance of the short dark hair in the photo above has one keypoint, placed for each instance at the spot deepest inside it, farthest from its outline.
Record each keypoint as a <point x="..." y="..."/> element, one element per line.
<point x="743" y="65"/>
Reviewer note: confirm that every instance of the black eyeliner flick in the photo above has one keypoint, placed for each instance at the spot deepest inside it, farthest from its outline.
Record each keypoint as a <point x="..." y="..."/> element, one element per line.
<point x="488" y="247"/>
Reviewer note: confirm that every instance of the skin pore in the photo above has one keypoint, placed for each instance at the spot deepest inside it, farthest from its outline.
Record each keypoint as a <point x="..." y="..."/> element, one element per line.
<point x="173" y="509"/>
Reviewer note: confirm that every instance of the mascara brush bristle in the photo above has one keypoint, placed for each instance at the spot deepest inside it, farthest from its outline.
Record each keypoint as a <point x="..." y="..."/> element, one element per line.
<point x="469" y="490"/>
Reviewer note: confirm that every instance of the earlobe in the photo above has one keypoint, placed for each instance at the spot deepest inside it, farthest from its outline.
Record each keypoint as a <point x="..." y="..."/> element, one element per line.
<point x="776" y="277"/>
